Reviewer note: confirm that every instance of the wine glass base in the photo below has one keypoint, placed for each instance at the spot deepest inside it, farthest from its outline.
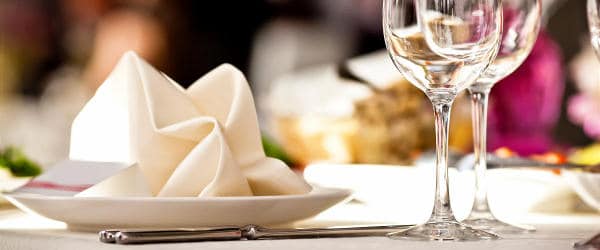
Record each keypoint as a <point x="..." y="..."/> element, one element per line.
<point x="496" y="226"/>
<point x="443" y="231"/>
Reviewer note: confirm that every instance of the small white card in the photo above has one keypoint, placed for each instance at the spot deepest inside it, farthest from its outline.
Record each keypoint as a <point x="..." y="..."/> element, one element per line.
<point x="68" y="178"/>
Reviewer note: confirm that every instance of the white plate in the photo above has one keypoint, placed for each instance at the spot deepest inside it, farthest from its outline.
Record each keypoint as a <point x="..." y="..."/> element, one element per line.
<point x="586" y="185"/>
<point x="8" y="184"/>
<point x="408" y="191"/>
<point x="93" y="213"/>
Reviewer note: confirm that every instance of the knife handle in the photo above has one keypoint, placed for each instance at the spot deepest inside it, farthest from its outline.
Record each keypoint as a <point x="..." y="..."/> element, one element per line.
<point x="108" y="236"/>
<point x="144" y="237"/>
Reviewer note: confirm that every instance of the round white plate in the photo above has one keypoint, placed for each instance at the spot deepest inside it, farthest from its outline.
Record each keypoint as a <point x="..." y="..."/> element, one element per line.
<point x="94" y="213"/>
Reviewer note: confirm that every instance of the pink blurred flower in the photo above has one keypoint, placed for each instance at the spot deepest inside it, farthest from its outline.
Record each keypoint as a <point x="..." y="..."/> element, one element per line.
<point x="525" y="106"/>
<point x="584" y="110"/>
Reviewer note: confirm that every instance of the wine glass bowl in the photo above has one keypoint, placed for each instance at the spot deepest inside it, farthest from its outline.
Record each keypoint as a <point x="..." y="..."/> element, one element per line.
<point x="463" y="30"/>
<point x="431" y="72"/>
<point x="521" y="25"/>
<point x="441" y="77"/>
<point x="410" y="52"/>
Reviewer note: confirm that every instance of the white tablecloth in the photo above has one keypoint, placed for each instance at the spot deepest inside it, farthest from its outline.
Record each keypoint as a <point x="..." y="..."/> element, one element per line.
<point x="559" y="231"/>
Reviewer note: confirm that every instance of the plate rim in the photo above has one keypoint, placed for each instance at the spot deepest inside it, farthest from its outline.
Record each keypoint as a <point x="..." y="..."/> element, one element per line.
<point x="314" y="193"/>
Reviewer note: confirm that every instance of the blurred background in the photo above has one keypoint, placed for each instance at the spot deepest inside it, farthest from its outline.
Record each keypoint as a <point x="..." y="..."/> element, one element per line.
<point x="55" y="53"/>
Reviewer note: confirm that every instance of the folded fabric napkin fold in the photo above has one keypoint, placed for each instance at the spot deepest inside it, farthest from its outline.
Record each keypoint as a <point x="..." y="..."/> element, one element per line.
<point x="202" y="141"/>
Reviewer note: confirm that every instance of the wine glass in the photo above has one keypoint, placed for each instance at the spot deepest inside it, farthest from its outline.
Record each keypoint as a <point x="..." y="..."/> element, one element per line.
<point x="521" y="26"/>
<point x="441" y="79"/>
<point x="594" y="24"/>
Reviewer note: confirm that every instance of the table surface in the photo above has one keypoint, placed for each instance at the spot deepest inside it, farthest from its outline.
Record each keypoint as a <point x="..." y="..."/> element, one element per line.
<point x="559" y="231"/>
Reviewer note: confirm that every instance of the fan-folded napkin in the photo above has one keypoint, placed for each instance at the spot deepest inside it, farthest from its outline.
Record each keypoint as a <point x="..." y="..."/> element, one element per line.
<point x="200" y="141"/>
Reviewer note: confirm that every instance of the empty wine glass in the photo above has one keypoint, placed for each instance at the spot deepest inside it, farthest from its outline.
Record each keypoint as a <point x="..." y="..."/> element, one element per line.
<point x="594" y="24"/>
<point x="441" y="78"/>
<point x="520" y="30"/>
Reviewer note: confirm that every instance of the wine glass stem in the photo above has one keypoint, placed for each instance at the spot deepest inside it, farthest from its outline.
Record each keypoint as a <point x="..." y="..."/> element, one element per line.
<point x="479" y="101"/>
<point x="442" y="210"/>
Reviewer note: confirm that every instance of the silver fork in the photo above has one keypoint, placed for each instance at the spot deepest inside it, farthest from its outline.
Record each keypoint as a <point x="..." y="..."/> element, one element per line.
<point x="591" y="243"/>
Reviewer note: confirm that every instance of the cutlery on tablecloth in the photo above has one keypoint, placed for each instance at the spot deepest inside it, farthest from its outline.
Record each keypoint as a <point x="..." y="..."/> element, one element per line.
<point x="466" y="162"/>
<point x="591" y="243"/>
<point x="248" y="232"/>
<point x="507" y="162"/>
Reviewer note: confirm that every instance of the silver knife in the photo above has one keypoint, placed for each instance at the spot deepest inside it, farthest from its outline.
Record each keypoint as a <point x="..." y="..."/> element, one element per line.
<point x="248" y="232"/>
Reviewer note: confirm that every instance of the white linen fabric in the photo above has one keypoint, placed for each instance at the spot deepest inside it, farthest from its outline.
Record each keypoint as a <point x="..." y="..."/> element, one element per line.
<point x="201" y="141"/>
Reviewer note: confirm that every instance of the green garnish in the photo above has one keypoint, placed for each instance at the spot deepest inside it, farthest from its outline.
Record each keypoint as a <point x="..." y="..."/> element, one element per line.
<point x="272" y="149"/>
<point x="17" y="163"/>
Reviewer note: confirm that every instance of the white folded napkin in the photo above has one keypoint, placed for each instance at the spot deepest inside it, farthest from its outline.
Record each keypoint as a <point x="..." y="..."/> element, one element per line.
<point x="203" y="141"/>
